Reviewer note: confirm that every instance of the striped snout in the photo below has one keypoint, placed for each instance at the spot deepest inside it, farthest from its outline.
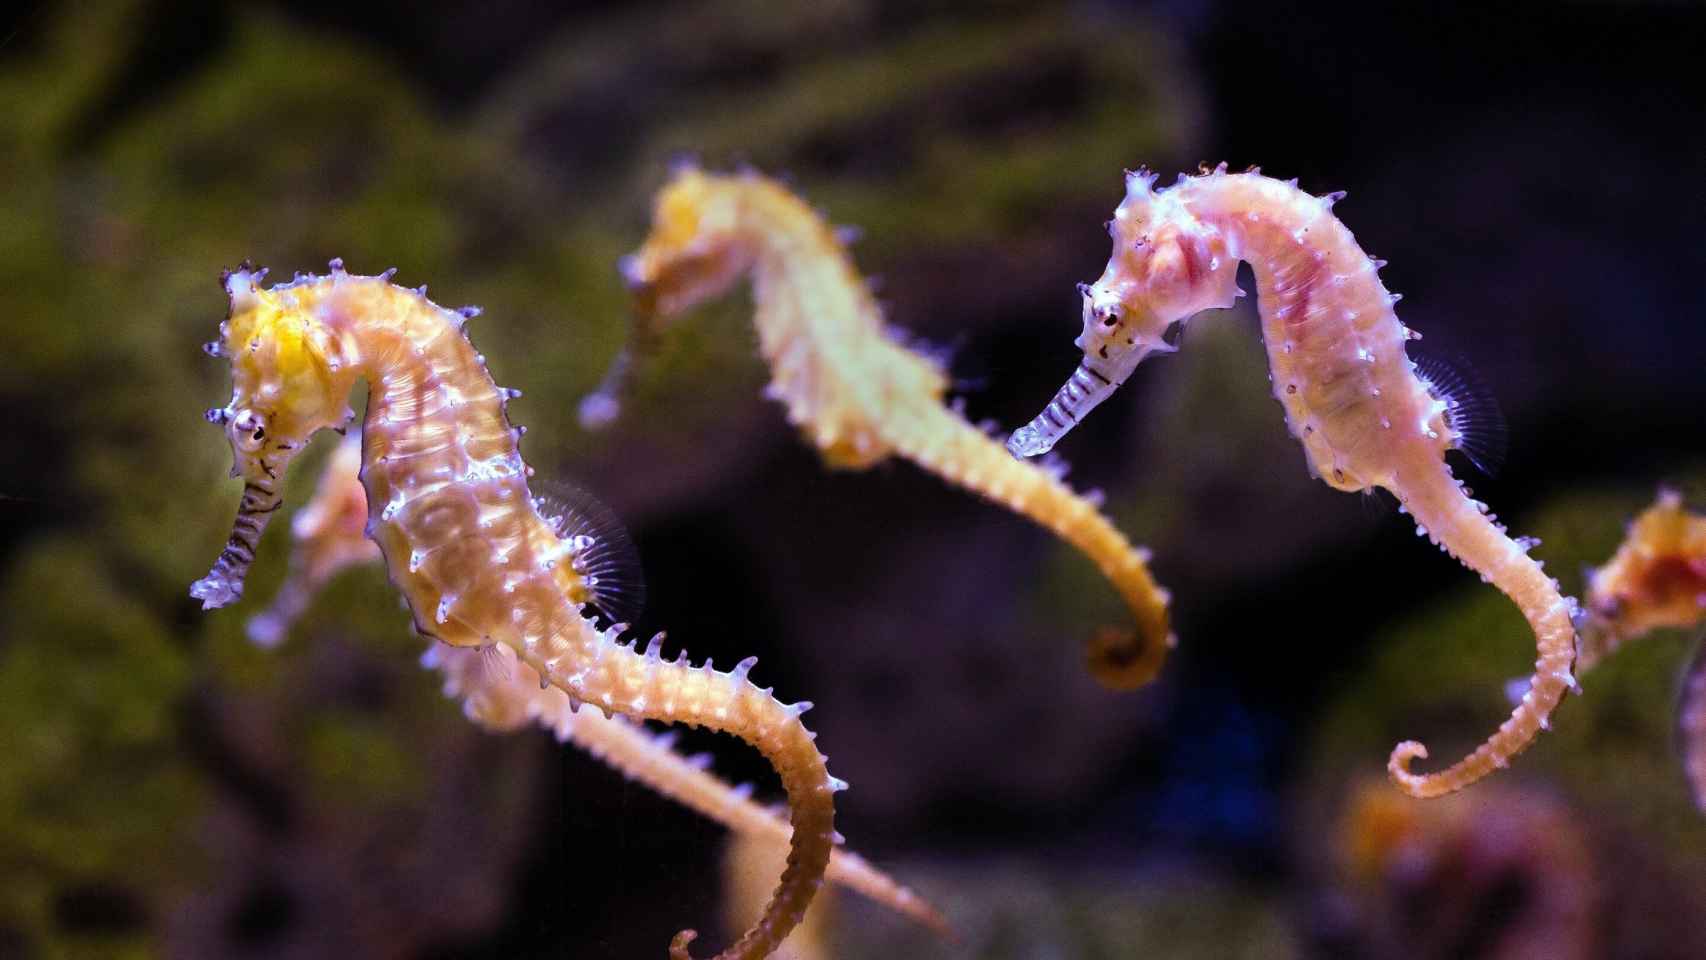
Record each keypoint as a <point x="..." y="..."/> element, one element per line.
<point x="224" y="583"/>
<point x="1082" y="391"/>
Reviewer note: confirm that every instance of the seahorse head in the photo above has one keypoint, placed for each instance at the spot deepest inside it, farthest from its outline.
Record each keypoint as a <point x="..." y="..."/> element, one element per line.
<point x="1166" y="267"/>
<point x="284" y="382"/>
<point x="694" y="251"/>
<point x="286" y="385"/>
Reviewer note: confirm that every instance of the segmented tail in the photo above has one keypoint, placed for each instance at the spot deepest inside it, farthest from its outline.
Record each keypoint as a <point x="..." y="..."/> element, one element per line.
<point x="616" y="678"/>
<point x="1461" y="527"/>
<point x="944" y="444"/>
<point x="638" y="755"/>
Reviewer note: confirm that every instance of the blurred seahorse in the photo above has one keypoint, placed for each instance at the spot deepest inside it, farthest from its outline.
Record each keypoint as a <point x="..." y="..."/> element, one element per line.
<point x="1365" y="415"/>
<point x="502" y="694"/>
<point x="1506" y="872"/>
<point x="748" y="862"/>
<point x="855" y="391"/>
<point x="462" y="538"/>
<point x="1657" y="580"/>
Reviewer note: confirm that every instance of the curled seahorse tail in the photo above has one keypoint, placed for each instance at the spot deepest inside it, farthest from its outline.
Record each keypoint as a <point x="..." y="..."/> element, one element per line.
<point x="1462" y="528"/>
<point x="1122" y="660"/>
<point x="616" y="678"/>
<point x="963" y="455"/>
<point x="638" y="755"/>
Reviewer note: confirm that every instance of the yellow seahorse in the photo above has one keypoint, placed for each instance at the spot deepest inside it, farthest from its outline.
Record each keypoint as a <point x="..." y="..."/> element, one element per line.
<point x="854" y="391"/>
<point x="462" y="539"/>
<point x="502" y="694"/>
<point x="1656" y="580"/>
<point x="1350" y="393"/>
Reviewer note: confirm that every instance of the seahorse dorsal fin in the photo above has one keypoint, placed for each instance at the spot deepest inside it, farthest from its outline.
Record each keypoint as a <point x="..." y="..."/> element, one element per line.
<point x="940" y="355"/>
<point x="604" y="554"/>
<point x="1471" y="411"/>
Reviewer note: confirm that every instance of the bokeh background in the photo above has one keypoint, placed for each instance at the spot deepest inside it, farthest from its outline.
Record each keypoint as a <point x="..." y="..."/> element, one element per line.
<point x="1533" y="173"/>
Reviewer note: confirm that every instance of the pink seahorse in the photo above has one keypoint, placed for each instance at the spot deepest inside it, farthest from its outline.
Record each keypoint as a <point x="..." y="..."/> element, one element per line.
<point x="1350" y="393"/>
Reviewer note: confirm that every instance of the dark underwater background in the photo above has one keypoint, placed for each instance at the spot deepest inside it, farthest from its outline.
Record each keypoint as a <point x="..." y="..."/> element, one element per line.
<point x="1534" y="173"/>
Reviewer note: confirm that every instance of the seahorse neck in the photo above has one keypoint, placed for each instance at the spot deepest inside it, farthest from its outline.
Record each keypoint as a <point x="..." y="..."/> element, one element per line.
<point x="842" y="378"/>
<point x="793" y="250"/>
<point x="1283" y="233"/>
<point x="1335" y="346"/>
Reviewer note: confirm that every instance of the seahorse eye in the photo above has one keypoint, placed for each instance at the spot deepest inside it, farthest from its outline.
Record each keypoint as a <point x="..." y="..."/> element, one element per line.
<point x="250" y="430"/>
<point x="1109" y="315"/>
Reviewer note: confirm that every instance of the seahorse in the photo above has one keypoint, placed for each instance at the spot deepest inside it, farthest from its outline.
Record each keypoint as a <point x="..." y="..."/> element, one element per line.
<point x="1657" y="580"/>
<point x="856" y="392"/>
<point x="1429" y="879"/>
<point x="1351" y="394"/>
<point x="502" y="695"/>
<point x="462" y="538"/>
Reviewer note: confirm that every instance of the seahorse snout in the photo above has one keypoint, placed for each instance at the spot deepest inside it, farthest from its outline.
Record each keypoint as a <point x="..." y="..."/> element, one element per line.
<point x="1082" y="391"/>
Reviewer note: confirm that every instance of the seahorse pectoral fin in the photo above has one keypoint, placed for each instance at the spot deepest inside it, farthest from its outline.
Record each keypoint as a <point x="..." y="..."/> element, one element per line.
<point x="1471" y="409"/>
<point x="1087" y="387"/>
<point x="601" y="552"/>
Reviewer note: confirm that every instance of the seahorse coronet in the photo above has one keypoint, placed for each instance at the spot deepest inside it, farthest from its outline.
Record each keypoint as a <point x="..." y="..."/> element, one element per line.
<point x="1350" y="392"/>
<point x="439" y="453"/>
<point x="855" y="389"/>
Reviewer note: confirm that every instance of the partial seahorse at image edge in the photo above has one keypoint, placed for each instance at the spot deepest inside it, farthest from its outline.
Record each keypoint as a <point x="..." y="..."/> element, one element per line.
<point x="1656" y="580"/>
